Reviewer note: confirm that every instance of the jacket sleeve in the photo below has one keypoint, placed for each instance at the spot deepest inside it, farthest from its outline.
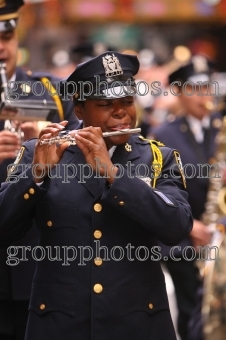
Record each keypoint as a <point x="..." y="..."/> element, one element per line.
<point x="164" y="210"/>
<point x="18" y="197"/>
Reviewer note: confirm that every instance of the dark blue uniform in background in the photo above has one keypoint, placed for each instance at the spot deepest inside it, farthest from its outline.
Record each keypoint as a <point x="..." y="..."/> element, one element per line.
<point x="15" y="282"/>
<point x="185" y="275"/>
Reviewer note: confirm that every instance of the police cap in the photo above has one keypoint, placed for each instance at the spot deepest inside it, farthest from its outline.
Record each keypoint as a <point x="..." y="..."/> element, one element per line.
<point x="198" y="69"/>
<point x="9" y="14"/>
<point x="109" y="75"/>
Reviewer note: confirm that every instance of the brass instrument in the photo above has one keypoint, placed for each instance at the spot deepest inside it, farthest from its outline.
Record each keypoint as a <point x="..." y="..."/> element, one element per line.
<point x="14" y="112"/>
<point x="215" y="206"/>
<point x="66" y="136"/>
<point x="214" y="297"/>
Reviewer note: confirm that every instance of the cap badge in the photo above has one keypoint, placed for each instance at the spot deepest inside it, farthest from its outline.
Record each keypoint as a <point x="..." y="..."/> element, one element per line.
<point x="128" y="147"/>
<point x="111" y="65"/>
<point x="2" y="3"/>
<point x="200" y="64"/>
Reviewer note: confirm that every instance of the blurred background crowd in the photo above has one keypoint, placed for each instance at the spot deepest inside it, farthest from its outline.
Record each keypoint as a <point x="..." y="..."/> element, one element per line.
<point x="56" y="35"/>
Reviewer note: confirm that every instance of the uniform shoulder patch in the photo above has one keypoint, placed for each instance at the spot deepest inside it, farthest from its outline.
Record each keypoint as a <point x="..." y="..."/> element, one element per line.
<point x="17" y="160"/>
<point x="19" y="155"/>
<point x="180" y="166"/>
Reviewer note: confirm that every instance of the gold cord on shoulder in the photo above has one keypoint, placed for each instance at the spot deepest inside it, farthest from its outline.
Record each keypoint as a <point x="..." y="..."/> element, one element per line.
<point x="46" y="82"/>
<point x="157" y="158"/>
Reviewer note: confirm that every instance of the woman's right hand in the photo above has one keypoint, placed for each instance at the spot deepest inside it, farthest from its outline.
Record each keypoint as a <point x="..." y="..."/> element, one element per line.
<point x="47" y="156"/>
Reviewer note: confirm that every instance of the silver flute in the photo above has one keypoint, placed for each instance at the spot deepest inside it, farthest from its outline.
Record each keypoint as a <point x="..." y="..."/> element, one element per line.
<point x="64" y="136"/>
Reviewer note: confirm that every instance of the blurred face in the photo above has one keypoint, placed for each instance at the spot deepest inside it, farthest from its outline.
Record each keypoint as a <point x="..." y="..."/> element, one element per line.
<point x="109" y="115"/>
<point x="8" y="51"/>
<point x="196" y="105"/>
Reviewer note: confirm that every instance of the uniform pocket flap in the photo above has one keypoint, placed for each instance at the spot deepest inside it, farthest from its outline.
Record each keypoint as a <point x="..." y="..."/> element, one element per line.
<point x="53" y="298"/>
<point x="149" y="299"/>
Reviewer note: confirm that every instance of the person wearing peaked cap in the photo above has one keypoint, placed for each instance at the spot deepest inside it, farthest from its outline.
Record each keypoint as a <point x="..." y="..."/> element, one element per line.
<point x="198" y="68"/>
<point x="9" y="14"/>
<point x="102" y="294"/>
<point x="103" y="77"/>
<point x="15" y="290"/>
<point x="193" y="134"/>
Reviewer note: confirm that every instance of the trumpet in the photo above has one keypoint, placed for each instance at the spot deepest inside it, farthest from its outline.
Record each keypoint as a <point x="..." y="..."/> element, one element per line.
<point x="65" y="136"/>
<point x="15" y="112"/>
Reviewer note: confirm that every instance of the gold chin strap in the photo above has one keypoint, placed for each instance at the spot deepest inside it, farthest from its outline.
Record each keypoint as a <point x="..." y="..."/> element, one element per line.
<point x="157" y="158"/>
<point x="45" y="81"/>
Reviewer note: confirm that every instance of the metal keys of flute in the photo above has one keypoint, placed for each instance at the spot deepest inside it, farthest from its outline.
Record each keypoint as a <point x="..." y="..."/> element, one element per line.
<point x="64" y="136"/>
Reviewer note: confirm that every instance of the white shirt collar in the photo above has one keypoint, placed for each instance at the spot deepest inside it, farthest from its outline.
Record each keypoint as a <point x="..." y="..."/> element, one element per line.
<point x="111" y="150"/>
<point x="196" y="125"/>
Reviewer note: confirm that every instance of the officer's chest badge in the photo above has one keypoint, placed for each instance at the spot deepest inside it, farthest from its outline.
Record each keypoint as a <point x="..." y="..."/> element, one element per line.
<point x="128" y="147"/>
<point x="112" y="66"/>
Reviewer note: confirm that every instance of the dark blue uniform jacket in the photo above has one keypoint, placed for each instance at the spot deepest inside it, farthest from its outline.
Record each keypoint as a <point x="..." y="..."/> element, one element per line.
<point x="129" y="301"/>
<point x="178" y="135"/>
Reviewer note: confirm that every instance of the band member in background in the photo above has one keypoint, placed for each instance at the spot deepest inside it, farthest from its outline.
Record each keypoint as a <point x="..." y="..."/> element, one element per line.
<point x="14" y="289"/>
<point x="193" y="134"/>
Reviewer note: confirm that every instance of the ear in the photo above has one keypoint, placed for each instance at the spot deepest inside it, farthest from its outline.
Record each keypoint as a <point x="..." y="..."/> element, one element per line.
<point x="78" y="112"/>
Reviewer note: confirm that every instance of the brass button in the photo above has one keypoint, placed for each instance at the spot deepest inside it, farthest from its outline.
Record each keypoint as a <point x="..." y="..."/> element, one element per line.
<point x="26" y="196"/>
<point x="98" y="261"/>
<point x="121" y="203"/>
<point x="49" y="223"/>
<point x="31" y="191"/>
<point x="98" y="288"/>
<point x="97" y="234"/>
<point x="42" y="306"/>
<point x="97" y="207"/>
<point x="150" y="306"/>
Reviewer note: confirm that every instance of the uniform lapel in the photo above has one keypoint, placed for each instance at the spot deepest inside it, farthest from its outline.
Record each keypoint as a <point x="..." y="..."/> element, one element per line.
<point x="125" y="152"/>
<point x="85" y="177"/>
<point x="95" y="186"/>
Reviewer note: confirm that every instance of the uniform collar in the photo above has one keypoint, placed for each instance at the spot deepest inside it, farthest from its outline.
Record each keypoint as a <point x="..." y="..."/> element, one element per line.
<point x="196" y="126"/>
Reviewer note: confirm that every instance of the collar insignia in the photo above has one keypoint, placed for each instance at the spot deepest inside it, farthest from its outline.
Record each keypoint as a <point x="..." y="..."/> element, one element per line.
<point x="128" y="147"/>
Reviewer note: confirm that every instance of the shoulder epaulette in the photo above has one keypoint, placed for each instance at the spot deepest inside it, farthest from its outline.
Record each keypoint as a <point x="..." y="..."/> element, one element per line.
<point x="157" y="142"/>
